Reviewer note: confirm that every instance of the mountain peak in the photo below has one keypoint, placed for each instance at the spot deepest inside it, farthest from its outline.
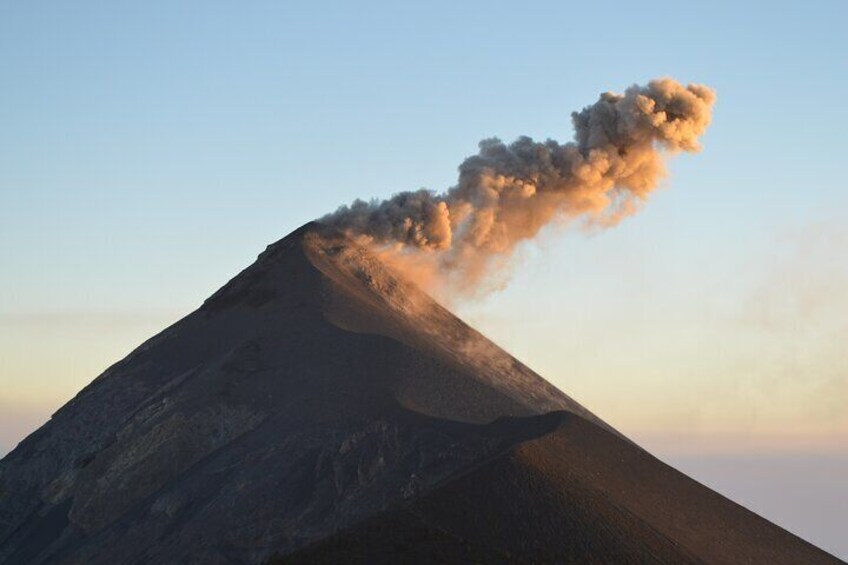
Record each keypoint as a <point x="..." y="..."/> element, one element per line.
<point x="322" y="274"/>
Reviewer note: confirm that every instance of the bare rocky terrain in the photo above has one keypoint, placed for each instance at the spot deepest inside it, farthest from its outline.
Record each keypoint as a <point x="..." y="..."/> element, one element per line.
<point x="318" y="408"/>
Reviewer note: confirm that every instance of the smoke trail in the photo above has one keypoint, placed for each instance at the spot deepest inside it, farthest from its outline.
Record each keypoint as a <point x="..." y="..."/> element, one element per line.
<point x="507" y="193"/>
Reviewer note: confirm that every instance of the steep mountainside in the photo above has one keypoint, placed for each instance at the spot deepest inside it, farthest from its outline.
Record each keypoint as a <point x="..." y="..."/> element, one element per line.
<point x="306" y="393"/>
<point x="317" y="393"/>
<point x="576" y="494"/>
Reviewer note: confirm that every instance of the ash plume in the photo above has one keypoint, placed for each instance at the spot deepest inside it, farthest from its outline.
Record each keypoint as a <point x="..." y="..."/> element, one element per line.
<point x="506" y="193"/>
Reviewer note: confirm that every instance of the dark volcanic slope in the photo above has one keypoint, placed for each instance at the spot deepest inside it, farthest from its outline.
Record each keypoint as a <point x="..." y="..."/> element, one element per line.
<point x="311" y="393"/>
<point x="311" y="390"/>
<point x="578" y="494"/>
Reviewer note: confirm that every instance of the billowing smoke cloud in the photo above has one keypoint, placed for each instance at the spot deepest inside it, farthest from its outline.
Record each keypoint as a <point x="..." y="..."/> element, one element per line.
<point x="507" y="193"/>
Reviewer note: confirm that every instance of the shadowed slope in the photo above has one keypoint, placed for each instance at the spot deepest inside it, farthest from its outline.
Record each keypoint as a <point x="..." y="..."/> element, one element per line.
<point x="310" y="391"/>
<point x="577" y="494"/>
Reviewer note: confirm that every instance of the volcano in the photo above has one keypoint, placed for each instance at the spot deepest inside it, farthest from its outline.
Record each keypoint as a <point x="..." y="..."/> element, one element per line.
<point x="320" y="409"/>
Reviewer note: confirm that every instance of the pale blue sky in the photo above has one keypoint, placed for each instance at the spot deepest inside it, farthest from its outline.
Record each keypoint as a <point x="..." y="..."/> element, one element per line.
<point x="185" y="135"/>
<point x="149" y="151"/>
